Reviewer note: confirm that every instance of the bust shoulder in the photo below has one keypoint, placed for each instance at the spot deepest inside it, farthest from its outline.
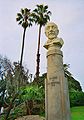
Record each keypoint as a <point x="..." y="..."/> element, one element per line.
<point x="57" y="41"/>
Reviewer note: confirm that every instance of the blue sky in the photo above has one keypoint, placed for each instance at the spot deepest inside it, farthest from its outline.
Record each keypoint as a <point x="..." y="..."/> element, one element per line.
<point x="67" y="14"/>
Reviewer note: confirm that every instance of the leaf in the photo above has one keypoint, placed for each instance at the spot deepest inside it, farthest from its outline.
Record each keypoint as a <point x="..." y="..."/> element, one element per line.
<point x="46" y="7"/>
<point x="49" y="12"/>
<point x="25" y="18"/>
<point x="18" y="18"/>
<point x="35" y="10"/>
<point x="20" y="22"/>
<point x="27" y="10"/>
<point x="40" y="7"/>
<point x="41" y="14"/>
<point x="22" y="11"/>
<point x="19" y="15"/>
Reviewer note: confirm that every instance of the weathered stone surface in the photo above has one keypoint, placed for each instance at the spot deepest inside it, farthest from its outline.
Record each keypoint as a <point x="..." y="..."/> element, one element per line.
<point x="31" y="117"/>
<point x="56" y="93"/>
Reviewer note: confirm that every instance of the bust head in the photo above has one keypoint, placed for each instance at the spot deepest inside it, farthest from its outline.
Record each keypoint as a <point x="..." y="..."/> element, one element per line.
<point x="51" y="30"/>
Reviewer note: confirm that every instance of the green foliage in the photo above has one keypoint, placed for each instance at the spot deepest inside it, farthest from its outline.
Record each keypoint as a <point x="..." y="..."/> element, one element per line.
<point x="12" y="77"/>
<point x="16" y="112"/>
<point x="2" y="117"/>
<point x="76" y="98"/>
<point x="73" y="84"/>
<point x="5" y="67"/>
<point x="2" y="92"/>
<point x="30" y="95"/>
<point x="24" y="18"/>
<point x="41" y="14"/>
<point x="66" y="71"/>
<point x="32" y="92"/>
<point x="16" y="78"/>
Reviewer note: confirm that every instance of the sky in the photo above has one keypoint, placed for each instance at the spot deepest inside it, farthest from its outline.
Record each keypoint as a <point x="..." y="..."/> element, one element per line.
<point x="67" y="14"/>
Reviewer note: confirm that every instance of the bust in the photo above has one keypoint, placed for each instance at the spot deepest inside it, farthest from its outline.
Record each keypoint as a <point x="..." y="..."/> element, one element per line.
<point x="51" y="32"/>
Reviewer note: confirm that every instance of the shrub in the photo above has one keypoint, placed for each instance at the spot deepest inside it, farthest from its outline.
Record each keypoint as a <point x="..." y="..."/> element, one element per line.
<point x="76" y="98"/>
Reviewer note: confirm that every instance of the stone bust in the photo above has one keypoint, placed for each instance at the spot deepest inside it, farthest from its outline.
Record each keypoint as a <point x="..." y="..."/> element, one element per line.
<point x="51" y="32"/>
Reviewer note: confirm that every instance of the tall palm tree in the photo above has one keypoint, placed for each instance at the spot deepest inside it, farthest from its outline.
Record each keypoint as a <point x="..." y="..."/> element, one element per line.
<point x="66" y="71"/>
<point x="24" y="19"/>
<point x="41" y="16"/>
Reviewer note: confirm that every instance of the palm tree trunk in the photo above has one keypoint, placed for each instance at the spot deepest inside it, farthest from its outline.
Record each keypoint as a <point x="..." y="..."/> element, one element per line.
<point x="38" y="56"/>
<point x="0" y="108"/>
<point x="22" y="47"/>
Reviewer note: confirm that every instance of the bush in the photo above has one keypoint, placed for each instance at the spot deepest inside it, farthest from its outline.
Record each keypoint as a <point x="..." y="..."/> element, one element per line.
<point x="76" y="98"/>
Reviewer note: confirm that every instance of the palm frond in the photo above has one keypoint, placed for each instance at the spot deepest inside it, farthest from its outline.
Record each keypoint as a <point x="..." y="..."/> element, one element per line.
<point x="41" y="15"/>
<point x="24" y="24"/>
<point x="22" y="11"/>
<point x="47" y="17"/>
<point x="67" y="73"/>
<point x="18" y="19"/>
<point x="46" y="7"/>
<point x="19" y="15"/>
<point x="20" y="23"/>
<point x="35" y="10"/>
<point x="41" y="6"/>
<point x="49" y="12"/>
<point x="26" y="11"/>
<point x="66" y="66"/>
<point x="31" y="19"/>
<point x="25" y="18"/>
<point x="30" y="24"/>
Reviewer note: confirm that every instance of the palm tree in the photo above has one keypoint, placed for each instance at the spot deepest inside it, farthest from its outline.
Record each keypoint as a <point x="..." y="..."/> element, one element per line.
<point x="41" y="16"/>
<point x="24" y="19"/>
<point x="66" y="71"/>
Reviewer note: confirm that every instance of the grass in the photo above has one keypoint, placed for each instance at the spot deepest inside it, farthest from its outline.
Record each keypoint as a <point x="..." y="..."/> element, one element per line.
<point x="77" y="113"/>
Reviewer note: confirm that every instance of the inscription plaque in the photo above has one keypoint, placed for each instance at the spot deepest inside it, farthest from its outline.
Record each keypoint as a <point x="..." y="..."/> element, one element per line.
<point x="53" y="81"/>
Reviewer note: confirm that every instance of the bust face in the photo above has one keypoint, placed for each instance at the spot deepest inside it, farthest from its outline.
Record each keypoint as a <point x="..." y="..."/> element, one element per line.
<point x="51" y="30"/>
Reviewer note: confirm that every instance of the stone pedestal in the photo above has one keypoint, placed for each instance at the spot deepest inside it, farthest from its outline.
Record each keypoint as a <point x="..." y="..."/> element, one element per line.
<point x="56" y="87"/>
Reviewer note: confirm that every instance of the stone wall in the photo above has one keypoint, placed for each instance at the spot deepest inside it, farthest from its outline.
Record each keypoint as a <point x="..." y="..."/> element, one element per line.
<point x="31" y="117"/>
